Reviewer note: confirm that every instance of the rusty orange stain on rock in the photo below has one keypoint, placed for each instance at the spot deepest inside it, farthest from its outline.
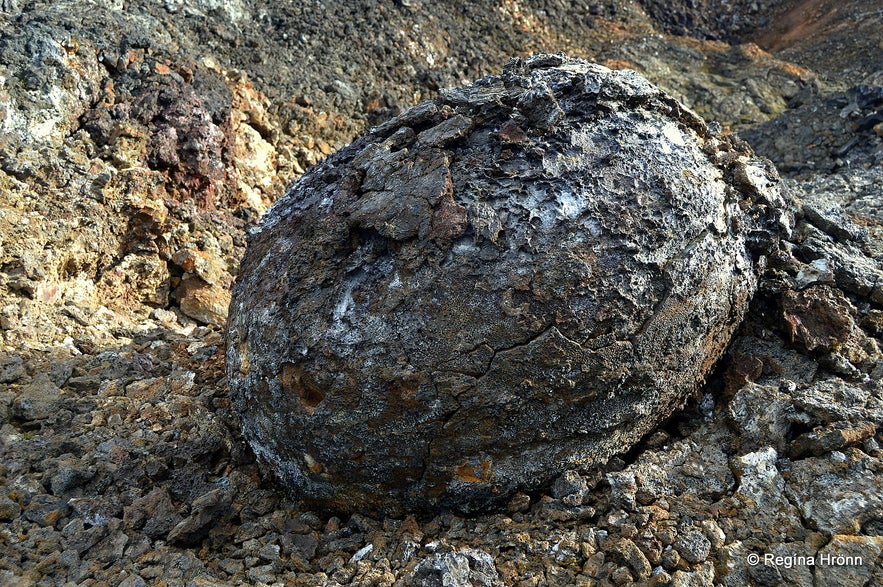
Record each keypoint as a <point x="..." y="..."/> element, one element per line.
<point x="511" y="133"/>
<point x="244" y="361"/>
<point x="312" y="464"/>
<point x="619" y="64"/>
<point x="292" y="379"/>
<point x="448" y="220"/>
<point x="818" y="317"/>
<point x="474" y="473"/>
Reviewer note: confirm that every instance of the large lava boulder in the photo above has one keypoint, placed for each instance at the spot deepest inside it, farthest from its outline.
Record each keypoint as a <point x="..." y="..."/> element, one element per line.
<point x="523" y="276"/>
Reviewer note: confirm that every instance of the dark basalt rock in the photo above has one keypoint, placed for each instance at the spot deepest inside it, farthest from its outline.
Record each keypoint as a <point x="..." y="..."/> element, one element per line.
<point x="522" y="277"/>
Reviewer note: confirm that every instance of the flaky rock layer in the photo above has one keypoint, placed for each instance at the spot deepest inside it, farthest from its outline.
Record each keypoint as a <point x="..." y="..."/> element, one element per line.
<point x="523" y="276"/>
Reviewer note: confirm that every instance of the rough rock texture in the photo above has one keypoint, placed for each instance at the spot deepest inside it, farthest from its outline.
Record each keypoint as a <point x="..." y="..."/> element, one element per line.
<point x="527" y="274"/>
<point x="115" y="421"/>
<point x="727" y="20"/>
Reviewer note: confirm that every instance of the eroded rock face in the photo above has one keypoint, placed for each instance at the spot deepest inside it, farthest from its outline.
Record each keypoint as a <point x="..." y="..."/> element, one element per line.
<point x="522" y="277"/>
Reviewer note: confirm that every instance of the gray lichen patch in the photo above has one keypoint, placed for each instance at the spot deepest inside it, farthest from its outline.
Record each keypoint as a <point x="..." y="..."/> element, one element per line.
<point x="522" y="277"/>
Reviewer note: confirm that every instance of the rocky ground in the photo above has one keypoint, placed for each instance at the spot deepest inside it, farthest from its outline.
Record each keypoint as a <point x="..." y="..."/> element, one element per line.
<point x="139" y="141"/>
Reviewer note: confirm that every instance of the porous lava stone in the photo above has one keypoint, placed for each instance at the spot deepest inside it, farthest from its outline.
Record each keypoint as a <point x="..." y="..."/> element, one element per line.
<point x="523" y="276"/>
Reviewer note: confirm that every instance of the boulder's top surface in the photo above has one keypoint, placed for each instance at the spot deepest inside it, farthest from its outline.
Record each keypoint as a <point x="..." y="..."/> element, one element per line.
<point x="522" y="276"/>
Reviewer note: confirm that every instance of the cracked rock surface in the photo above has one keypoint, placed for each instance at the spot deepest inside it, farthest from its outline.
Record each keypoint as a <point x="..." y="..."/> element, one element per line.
<point x="523" y="276"/>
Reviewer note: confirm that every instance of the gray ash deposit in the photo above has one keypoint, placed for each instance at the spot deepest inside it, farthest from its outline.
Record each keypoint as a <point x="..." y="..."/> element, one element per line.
<point x="523" y="276"/>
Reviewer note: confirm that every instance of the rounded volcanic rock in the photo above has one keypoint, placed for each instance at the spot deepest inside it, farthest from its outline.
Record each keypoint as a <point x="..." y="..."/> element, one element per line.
<point x="523" y="276"/>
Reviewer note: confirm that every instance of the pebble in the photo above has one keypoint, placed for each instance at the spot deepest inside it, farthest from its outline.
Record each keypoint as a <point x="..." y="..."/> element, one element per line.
<point x="46" y="510"/>
<point x="9" y="509"/>
<point x="621" y="576"/>
<point x="38" y="400"/>
<point x="636" y="559"/>
<point x="693" y="546"/>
